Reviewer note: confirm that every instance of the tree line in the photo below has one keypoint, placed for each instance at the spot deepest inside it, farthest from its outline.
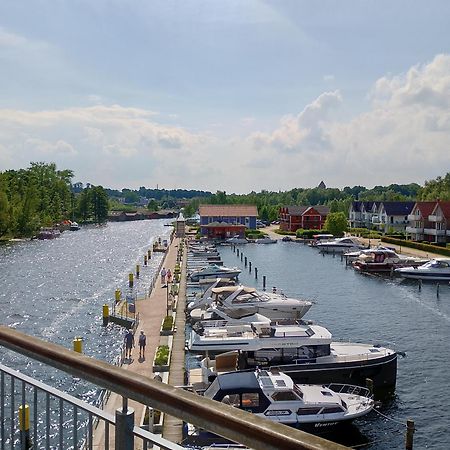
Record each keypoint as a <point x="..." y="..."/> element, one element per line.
<point x="41" y="196"/>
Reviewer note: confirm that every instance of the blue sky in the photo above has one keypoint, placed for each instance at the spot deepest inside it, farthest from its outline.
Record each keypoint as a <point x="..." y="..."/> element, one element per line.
<point x="230" y="95"/>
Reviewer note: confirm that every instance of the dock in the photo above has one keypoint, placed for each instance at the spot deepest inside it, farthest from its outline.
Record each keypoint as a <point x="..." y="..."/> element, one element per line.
<point x="152" y="310"/>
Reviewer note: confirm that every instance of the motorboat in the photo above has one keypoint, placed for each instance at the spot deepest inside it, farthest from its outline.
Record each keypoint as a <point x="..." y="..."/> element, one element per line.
<point x="204" y="299"/>
<point x="354" y="255"/>
<point x="340" y="245"/>
<point x="48" y="233"/>
<point x="383" y="260"/>
<point x="274" y="395"/>
<point x="214" y="271"/>
<point x="74" y="226"/>
<point x="265" y="240"/>
<point x="237" y="240"/>
<point x="214" y="317"/>
<point x="304" y="352"/>
<point x="242" y="300"/>
<point x="437" y="269"/>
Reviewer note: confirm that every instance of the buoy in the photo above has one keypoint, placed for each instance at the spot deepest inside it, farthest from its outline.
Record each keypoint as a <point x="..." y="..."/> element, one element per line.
<point x="78" y="345"/>
<point x="105" y="315"/>
<point x="130" y="280"/>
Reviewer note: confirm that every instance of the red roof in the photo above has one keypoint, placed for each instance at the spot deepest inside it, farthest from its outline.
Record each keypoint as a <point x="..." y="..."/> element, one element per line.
<point x="426" y="208"/>
<point x="445" y="208"/>
<point x="228" y="210"/>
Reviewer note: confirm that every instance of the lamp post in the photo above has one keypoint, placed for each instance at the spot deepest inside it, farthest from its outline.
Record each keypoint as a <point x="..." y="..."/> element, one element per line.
<point x="166" y="286"/>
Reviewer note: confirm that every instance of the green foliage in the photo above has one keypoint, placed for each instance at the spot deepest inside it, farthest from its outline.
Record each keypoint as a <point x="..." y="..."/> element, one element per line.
<point x="153" y="205"/>
<point x="284" y="233"/>
<point x="162" y="355"/>
<point x="308" y="234"/>
<point x="93" y="205"/>
<point x="37" y="196"/>
<point x="167" y="323"/>
<point x="336" y="223"/>
<point x="418" y="245"/>
<point x="436" y="189"/>
<point x="254" y="234"/>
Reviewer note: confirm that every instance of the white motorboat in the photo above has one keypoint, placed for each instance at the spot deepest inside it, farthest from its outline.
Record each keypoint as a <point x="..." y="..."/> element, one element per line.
<point x="274" y="395"/>
<point x="237" y="240"/>
<point x="241" y="300"/>
<point x="305" y="352"/>
<point x="340" y="245"/>
<point x="383" y="260"/>
<point x="204" y="299"/>
<point x="214" y="271"/>
<point x="74" y="226"/>
<point x="265" y="240"/>
<point x="437" y="269"/>
<point x="215" y="317"/>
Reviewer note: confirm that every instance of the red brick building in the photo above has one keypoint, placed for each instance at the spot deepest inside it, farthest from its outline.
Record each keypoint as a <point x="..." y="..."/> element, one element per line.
<point x="307" y="217"/>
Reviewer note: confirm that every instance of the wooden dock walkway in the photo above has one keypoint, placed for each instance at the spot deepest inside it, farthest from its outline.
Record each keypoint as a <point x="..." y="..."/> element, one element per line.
<point x="152" y="311"/>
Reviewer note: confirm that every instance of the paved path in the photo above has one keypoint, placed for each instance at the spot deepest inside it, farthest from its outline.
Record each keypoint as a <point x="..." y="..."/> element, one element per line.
<point x="151" y="311"/>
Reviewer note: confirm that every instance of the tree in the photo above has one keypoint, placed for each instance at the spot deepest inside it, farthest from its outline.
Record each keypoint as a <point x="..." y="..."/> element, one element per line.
<point x="152" y="205"/>
<point x="336" y="223"/>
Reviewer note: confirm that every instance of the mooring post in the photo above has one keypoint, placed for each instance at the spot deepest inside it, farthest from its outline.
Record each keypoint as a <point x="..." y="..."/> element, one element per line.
<point x="245" y="261"/>
<point x="420" y="285"/>
<point x="264" y="282"/>
<point x="250" y="266"/>
<point x="237" y="252"/>
<point x="437" y="290"/>
<point x="105" y="315"/>
<point x="409" y="434"/>
<point x="242" y="256"/>
<point x="256" y="272"/>
<point x="24" y="425"/>
<point x="138" y="270"/>
<point x="130" y="280"/>
<point x="145" y="260"/>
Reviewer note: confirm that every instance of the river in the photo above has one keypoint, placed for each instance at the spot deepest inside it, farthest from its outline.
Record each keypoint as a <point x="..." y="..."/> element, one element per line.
<point x="371" y="309"/>
<point x="55" y="289"/>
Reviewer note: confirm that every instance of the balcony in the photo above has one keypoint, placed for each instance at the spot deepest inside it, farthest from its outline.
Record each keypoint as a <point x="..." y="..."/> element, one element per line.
<point x="413" y="217"/>
<point x="414" y="230"/>
<point x="434" y="232"/>
<point x="435" y="218"/>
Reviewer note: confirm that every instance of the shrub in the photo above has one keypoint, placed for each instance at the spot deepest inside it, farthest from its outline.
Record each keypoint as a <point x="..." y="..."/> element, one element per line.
<point x="308" y="234"/>
<point x="254" y="234"/>
<point x="284" y="233"/>
<point x="418" y="245"/>
<point x="167" y="324"/>
<point x="162" y="355"/>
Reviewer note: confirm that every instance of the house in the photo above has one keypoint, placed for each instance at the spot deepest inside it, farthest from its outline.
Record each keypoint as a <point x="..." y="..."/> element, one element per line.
<point x="355" y="215"/>
<point x="224" y="221"/>
<point x="439" y="222"/>
<point x="419" y="221"/>
<point x="392" y="216"/>
<point x="307" y="217"/>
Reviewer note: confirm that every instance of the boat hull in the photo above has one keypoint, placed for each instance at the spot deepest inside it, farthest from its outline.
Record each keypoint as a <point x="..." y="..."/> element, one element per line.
<point x="382" y="371"/>
<point x="422" y="275"/>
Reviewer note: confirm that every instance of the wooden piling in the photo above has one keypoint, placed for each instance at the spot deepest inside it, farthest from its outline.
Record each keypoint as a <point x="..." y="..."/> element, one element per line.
<point x="409" y="434"/>
<point x="264" y="282"/>
<point x="242" y="256"/>
<point x="250" y="266"/>
<point x="437" y="289"/>
<point x="256" y="272"/>
<point x="245" y="261"/>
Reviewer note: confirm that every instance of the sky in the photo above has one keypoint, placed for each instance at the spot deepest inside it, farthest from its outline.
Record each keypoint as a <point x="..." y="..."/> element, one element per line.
<point x="227" y="95"/>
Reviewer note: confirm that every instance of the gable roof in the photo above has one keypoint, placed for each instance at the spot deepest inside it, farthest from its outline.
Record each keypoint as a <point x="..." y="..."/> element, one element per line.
<point x="228" y="210"/>
<point x="356" y="206"/>
<point x="445" y="208"/>
<point x="425" y="208"/>
<point x="398" y="208"/>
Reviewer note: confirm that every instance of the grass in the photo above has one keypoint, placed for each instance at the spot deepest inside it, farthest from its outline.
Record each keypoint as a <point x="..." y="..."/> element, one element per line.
<point x="168" y="323"/>
<point x="162" y="355"/>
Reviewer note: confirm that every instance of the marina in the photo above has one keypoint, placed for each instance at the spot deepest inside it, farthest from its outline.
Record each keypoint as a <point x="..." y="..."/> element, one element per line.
<point x="343" y="307"/>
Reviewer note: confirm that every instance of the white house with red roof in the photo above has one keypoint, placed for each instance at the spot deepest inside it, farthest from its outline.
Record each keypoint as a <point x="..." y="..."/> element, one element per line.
<point x="439" y="222"/>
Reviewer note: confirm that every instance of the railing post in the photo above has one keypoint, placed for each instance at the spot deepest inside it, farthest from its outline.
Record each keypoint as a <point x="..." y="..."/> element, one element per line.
<point x="124" y="439"/>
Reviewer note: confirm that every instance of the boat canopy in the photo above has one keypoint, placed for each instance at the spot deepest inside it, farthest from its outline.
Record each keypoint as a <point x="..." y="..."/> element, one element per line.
<point x="245" y="290"/>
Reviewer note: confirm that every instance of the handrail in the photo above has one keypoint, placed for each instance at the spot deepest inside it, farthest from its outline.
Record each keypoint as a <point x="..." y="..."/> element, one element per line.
<point x="234" y="424"/>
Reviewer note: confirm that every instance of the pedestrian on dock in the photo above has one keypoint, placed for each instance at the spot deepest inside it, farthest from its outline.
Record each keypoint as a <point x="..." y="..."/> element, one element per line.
<point x="142" y="342"/>
<point x="169" y="276"/>
<point x="129" y="343"/>
<point x="163" y="275"/>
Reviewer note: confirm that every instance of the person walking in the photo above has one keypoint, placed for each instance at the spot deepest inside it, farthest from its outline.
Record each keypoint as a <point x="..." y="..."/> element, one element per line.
<point x="169" y="276"/>
<point x="163" y="275"/>
<point x="129" y="343"/>
<point x="142" y="343"/>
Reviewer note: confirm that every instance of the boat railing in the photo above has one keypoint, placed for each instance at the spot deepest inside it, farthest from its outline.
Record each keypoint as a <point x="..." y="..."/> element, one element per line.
<point x="350" y="389"/>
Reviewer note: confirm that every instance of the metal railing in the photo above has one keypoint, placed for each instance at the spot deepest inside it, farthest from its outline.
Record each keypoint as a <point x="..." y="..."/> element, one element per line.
<point x="57" y="419"/>
<point x="236" y="425"/>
